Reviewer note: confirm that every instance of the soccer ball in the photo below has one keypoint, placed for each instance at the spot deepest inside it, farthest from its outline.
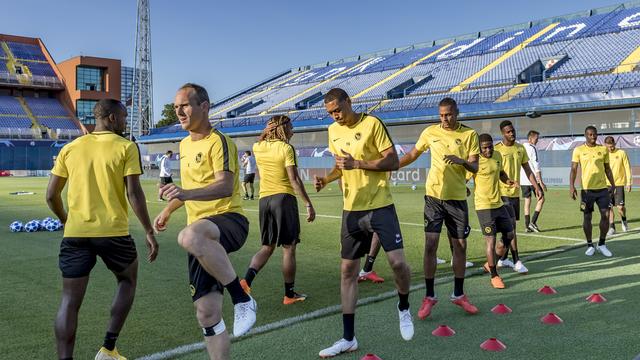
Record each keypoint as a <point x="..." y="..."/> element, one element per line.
<point x="59" y="224"/>
<point x="51" y="226"/>
<point x="31" y="226"/>
<point x="16" y="226"/>
<point x="39" y="224"/>
<point x="413" y="187"/>
<point x="46" y="220"/>
<point x="395" y="183"/>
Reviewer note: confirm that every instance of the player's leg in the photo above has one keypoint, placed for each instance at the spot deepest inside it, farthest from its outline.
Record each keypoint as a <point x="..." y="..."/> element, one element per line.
<point x="536" y="212"/>
<point x="434" y="219"/>
<point x="367" y="272"/>
<point x="611" y="215"/>
<point x="268" y="236"/>
<point x="504" y="261"/>
<point x="244" y="187"/>
<point x="66" y="323"/>
<point x="289" y="275"/>
<point x="526" y="194"/>
<point x="586" y="206"/>
<point x="622" y="211"/>
<point x="251" y="185"/>
<point x="209" y="315"/>
<point x="605" y="208"/>
<point x="160" y="184"/>
<point x="258" y="261"/>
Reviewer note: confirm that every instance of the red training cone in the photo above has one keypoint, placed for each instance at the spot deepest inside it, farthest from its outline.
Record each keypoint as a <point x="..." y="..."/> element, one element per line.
<point x="547" y="290"/>
<point x="370" y="357"/>
<point x="596" y="298"/>
<point x="551" y="319"/>
<point x="493" y="344"/>
<point x="443" y="330"/>
<point x="501" y="309"/>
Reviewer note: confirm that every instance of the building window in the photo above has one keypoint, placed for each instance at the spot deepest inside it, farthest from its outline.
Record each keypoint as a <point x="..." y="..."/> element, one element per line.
<point x="89" y="78"/>
<point x="84" y="111"/>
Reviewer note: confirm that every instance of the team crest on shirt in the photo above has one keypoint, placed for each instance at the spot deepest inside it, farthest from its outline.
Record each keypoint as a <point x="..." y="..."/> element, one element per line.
<point x="199" y="158"/>
<point x="192" y="289"/>
<point x="487" y="229"/>
<point x="599" y="153"/>
<point x="458" y="142"/>
<point x="358" y="136"/>
<point x="583" y="205"/>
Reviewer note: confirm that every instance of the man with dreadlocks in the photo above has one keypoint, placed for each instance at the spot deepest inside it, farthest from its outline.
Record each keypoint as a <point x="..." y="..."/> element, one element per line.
<point x="279" y="222"/>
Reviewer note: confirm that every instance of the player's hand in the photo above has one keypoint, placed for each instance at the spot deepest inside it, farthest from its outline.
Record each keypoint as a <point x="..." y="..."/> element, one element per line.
<point x="161" y="221"/>
<point x="468" y="192"/>
<point x="171" y="191"/>
<point x="512" y="183"/>
<point x="573" y="192"/>
<point x="319" y="183"/>
<point x="311" y="213"/>
<point x="612" y="190"/>
<point x="628" y="188"/>
<point x="539" y="193"/>
<point x="346" y="162"/>
<point x="543" y="186"/>
<point x="152" y="247"/>
<point x="452" y="159"/>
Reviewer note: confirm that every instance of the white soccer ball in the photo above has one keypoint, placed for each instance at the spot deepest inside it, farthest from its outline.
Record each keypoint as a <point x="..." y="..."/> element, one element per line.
<point x="395" y="183"/>
<point x="51" y="226"/>
<point x="31" y="226"/>
<point x="59" y="224"/>
<point x="45" y="221"/>
<point x="16" y="226"/>
<point x="413" y="187"/>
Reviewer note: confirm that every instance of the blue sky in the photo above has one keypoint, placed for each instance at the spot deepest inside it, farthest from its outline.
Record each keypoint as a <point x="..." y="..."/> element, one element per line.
<point x="227" y="46"/>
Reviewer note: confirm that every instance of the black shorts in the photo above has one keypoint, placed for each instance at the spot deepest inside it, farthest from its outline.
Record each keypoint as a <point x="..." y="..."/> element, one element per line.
<point x="528" y="190"/>
<point x="617" y="198"/>
<point x="164" y="180"/>
<point x="233" y="233"/>
<point x="358" y="228"/>
<point x="493" y="221"/>
<point x="279" y="220"/>
<point x="513" y="206"/>
<point x="454" y="214"/>
<point x="249" y="178"/>
<point x="590" y="197"/>
<point x="78" y="254"/>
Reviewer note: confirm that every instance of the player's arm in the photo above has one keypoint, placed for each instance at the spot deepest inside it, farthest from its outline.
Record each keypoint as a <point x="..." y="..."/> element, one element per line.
<point x="161" y="221"/>
<point x="572" y="180"/>
<point x="298" y="187"/>
<point x="471" y="164"/>
<point x="410" y="157"/>
<point x="505" y="179"/>
<point x="532" y="179"/>
<point x="320" y="182"/>
<point x="138" y="202"/>
<point x="388" y="162"/>
<point x="627" y="172"/>
<point x="221" y="188"/>
<point x="54" y="196"/>
<point x="609" y="174"/>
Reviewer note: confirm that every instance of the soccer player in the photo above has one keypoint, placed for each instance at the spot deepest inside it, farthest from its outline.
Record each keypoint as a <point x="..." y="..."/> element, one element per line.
<point x="249" y="165"/>
<point x="531" y="223"/>
<point x="216" y="225"/>
<point x="165" y="172"/>
<point x="454" y="151"/>
<point x="593" y="160"/>
<point x="363" y="153"/>
<point x="279" y="222"/>
<point x="514" y="157"/>
<point x="492" y="214"/>
<point x="102" y="170"/>
<point x="619" y="163"/>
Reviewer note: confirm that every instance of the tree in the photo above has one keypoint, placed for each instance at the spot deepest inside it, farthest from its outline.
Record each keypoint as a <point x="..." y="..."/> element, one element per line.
<point x="169" y="116"/>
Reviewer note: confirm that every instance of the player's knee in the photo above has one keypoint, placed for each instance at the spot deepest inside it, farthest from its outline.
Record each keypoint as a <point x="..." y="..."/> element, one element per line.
<point x="190" y="240"/>
<point x="431" y="248"/>
<point x="349" y="270"/>
<point x="207" y="316"/>
<point x="398" y="265"/>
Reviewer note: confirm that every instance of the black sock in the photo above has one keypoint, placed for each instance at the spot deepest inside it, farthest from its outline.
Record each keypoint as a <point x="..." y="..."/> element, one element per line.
<point x="589" y="243"/>
<point x="348" y="326"/>
<point x="404" y="302"/>
<point x="527" y="220"/>
<point x="612" y="226"/>
<point x="368" y="264"/>
<point x="601" y="242"/>
<point x="110" y="340"/>
<point x="514" y="256"/>
<point x="430" y="283"/>
<point x="288" y="290"/>
<point x="68" y="358"/>
<point x="624" y="218"/>
<point x="493" y="271"/>
<point x="250" y="275"/>
<point x="534" y="219"/>
<point x="458" y="286"/>
<point x="506" y="253"/>
<point x="237" y="292"/>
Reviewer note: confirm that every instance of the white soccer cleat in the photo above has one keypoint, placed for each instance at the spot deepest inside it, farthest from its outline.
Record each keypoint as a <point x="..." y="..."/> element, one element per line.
<point x="520" y="268"/>
<point x="406" y="324"/>
<point x="440" y="261"/>
<point x="505" y="263"/>
<point x="467" y="264"/>
<point x="590" y="251"/>
<point x="339" y="347"/>
<point x="602" y="249"/>
<point x="244" y="316"/>
<point x="611" y="231"/>
<point x="625" y="226"/>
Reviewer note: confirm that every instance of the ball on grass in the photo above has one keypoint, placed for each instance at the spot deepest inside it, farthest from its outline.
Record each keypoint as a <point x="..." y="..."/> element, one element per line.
<point x="31" y="226"/>
<point x="16" y="226"/>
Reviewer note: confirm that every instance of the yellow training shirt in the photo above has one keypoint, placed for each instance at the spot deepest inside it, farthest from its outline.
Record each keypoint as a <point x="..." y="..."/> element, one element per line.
<point x="199" y="162"/>
<point x="513" y="157"/>
<point x="365" y="140"/>
<point x="95" y="166"/>
<point x="487" y="180"/>
<point x="620" y="167"/>
<point x="447" y="181"/>
<point x="592" y="160"/>
<point x="273" y="157"/>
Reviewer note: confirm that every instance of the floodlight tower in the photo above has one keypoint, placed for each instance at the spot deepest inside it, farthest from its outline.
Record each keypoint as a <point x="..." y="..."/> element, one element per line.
<point x="142" y="74"/>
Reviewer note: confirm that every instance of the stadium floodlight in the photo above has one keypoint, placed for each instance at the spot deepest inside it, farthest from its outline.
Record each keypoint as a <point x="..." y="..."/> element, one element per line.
<point x="532" y="114"/>
<point x="142" y="74"/>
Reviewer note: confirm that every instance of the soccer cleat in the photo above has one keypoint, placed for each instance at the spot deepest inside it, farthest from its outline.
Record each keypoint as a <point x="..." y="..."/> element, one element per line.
<point x="602" y="249"/>
<point x="520" y="268"/>
<point x="245" y="197"/>
<point x="244" y="316"/>
<point x="371" y="276"/>
<point x="590" y="251"/>
<point x="464" y="303"/>
<point x="440" y="261"/>
<point x="467" y="264"/>
<point x="427" y="304"/>
<point x="528" y="230"/>
<point x="245" y="286"/>
<point x="406" y="324"/>
<point x="533" y="227"/>
<point x="505" y="263"/>
<point x="611" y="231"/>
<point x="104" y="354"/>
<point x="497" y="282"/>
<point x="292" y="300"/>
<point x="625" y="225"/>
<point x="339" y="347"/>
